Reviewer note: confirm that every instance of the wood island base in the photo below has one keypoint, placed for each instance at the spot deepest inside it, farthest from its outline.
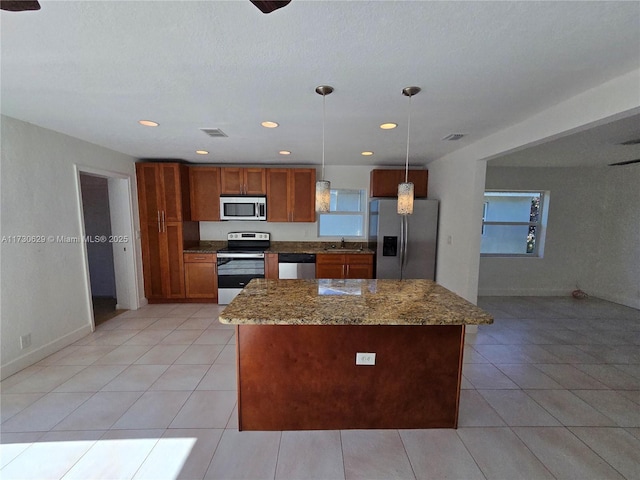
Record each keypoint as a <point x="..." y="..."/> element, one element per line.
<point x="304" y="377"/>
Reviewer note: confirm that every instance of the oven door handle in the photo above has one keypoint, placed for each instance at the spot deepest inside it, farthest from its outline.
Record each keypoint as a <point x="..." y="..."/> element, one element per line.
<point x="240" y="255"/>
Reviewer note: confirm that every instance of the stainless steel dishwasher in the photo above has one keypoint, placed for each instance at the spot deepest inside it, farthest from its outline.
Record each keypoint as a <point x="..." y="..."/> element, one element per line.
<point x="296" y="265"/>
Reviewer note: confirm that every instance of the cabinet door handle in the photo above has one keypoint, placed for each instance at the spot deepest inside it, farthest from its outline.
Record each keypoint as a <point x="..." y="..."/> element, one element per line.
<point x="159" y="230"/>
<point x="164" y="228"/>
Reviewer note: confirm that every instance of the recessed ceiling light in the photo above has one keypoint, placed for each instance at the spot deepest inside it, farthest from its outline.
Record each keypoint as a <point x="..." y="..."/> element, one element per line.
<point x="269" y="124"/>
<point x="148" y="123"/>
<point x="388" y="126"/>
<point x="284" y="152"/>
<point x="366" y="154"/>
<point x="202" y="152"/>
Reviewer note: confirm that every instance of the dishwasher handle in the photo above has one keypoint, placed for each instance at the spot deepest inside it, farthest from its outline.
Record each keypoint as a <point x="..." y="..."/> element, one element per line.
<point x="296" y="258"/>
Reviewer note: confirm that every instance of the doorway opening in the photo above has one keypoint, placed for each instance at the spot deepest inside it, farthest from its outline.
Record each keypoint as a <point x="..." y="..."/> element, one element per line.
<point x="97" y="230"/>
<point x="109" y="246"/>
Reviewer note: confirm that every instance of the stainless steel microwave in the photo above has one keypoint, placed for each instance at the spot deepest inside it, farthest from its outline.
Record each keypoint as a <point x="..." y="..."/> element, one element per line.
<point x="245" y="207"/>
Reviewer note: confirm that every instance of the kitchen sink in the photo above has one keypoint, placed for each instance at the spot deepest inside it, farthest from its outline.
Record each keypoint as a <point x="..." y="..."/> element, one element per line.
<point x="345" y="250"/>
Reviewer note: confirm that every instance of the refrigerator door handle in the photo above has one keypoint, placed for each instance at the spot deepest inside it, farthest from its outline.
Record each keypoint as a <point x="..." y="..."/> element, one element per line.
<point x="406" y="240"/>
<point x="402" y="245"/>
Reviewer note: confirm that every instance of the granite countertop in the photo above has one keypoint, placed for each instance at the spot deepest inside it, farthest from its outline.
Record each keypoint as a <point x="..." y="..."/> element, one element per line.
<point x="206" y="246"/>
<point x="350" y="302"/>
<point x="319" y="247"/>
<point x="351" y="248"/>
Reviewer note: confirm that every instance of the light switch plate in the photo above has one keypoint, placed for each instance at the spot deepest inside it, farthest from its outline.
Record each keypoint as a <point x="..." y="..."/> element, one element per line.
<point x="364" y="358"/>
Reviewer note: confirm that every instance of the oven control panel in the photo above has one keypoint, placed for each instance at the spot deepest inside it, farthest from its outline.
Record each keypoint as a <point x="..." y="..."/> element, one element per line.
<point x="248" y="236"/>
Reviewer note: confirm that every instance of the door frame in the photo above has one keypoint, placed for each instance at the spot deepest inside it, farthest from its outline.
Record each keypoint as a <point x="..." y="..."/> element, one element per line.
<point x="125" y="262"/>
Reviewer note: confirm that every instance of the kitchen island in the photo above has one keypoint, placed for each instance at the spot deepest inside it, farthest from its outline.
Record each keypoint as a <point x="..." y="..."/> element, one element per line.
<point x="297" y="342"/>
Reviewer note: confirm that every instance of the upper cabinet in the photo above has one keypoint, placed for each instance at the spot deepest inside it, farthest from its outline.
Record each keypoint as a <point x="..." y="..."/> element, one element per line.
<point x="384" y="183"/>
<point x="163" y="192"/>
<point x="204" y="184"/>
<point x="291" y="195"/>
<point x="243" y="181"/>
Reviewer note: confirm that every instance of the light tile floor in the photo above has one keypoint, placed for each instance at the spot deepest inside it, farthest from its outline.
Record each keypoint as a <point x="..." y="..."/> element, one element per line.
<point x="550" y="390"/>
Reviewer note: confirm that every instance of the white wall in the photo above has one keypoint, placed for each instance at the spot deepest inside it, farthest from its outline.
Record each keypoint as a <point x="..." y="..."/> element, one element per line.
<point x="615" y="275"/>
<point x="43" y="285"/>
<point x="592" y="235"/>
<point x="458" y="183"/>
<point x="457" y="179"/>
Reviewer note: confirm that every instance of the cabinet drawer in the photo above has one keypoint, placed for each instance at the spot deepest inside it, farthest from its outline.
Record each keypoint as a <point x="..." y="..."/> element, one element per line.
<point x="331" y="258"/>
<point x="199" y="257"/>
<point x="360" y="259"/>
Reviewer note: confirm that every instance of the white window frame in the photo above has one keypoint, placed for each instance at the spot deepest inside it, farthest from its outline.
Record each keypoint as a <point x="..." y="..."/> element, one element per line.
<point x="540" y="225"/>
<point x="362" y="213"/>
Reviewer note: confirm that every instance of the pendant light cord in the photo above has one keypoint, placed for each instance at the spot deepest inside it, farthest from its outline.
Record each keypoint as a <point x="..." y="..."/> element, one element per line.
<point x="324" y="113"/>
<point x="406" y="167"/>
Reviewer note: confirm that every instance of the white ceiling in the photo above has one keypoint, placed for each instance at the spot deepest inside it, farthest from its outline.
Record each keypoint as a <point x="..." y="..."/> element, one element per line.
<point x="92" y="69"/>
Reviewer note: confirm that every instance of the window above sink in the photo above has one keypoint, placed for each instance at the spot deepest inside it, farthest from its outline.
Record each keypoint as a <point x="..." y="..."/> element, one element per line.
<point x="346" y="217"/>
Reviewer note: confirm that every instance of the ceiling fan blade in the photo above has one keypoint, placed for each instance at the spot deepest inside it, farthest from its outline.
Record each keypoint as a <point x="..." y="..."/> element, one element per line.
<point x="628" y="162"/>
<point x="19" y="5"/>
<point x="268" y="6"/>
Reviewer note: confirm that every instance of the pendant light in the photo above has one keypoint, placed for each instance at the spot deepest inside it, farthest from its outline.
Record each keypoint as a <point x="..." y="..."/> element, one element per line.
<point x="323" y="187"/>
<point x="405" y="189"/>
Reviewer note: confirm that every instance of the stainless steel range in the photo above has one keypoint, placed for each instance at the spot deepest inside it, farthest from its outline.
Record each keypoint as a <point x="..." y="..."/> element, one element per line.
<point x="242" y="260"/>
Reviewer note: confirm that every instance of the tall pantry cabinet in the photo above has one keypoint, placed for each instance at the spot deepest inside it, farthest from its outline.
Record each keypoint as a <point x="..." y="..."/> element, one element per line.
<point x="165" y="227"/>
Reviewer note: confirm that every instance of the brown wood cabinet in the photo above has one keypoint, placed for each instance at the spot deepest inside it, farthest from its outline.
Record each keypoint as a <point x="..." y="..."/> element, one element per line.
<point x="201" y="276"/>
<point x="204" y="187"/>
<point x="163" y="192"/>
<point x="291" y="195"/>
<point x="243" y="181"/>
<point x="334" y="265"/>
<point x="271" y="269"/>
<point x="384" y="183"/>
<point x="163" y="198"/>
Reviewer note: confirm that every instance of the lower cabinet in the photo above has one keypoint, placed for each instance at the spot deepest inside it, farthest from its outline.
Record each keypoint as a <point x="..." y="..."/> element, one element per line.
<point x="333" y="265"/>
<point x="201" y="276"/>
<point x="271" y="268"/>
<point x="162" y="259"/>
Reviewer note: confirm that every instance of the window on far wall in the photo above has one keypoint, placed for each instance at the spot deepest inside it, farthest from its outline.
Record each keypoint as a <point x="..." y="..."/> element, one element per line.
<point x="513" y="223"/>
<point x="346" y="215"/>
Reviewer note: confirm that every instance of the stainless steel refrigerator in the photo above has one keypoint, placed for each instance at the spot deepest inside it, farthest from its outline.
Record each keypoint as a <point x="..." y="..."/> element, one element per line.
<point x="405" y="245"/>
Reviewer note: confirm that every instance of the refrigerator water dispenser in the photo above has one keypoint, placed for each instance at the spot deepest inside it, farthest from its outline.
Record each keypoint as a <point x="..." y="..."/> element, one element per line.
<point x="389" y="246"/>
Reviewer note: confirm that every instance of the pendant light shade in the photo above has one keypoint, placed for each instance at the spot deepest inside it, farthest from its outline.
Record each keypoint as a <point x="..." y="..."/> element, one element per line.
<point x="405" y="189"/>
<point x="323" y="187"/>
<point x="405" y="198"/>
<point x="323" y="196"/>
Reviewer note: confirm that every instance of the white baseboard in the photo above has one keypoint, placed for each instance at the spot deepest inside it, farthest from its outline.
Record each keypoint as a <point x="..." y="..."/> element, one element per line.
<point x="542" y="292"/>
<point x="627" y="302"/>
<point x="523" y="292"/>
<point x="43" y="352"/>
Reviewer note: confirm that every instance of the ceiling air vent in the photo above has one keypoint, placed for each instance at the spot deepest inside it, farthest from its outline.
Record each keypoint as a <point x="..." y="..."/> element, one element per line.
<point x="214" y="132"/>
<point x="453" y="137"/>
